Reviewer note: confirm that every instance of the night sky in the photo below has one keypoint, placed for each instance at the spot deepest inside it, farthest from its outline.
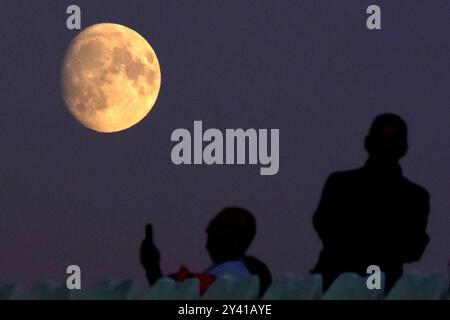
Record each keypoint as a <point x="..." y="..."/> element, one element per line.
<point x="310" y="68"/>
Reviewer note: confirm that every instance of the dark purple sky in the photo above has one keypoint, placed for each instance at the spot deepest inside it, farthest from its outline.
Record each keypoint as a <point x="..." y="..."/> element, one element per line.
<point x="309" y="68"/>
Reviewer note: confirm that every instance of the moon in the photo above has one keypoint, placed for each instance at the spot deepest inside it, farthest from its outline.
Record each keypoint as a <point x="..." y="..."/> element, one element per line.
<point x="110" y="77"/>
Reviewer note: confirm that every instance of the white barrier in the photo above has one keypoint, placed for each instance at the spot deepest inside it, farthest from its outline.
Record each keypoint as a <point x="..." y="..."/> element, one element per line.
<point x="230" y="288"/>
<point x="351" y="286"/>
<point x="347" y="286"/>
<point x="169" y="289"/>
<point x="292" y="287"/>
<point x="414" y="286"/>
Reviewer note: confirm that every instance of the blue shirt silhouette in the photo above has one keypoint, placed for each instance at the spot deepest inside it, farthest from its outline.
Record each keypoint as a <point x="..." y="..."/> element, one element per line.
<point x="236" y="268"/>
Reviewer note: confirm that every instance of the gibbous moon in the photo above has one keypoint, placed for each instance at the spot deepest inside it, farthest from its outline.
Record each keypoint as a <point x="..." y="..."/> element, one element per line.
<point x="110" y="77"/>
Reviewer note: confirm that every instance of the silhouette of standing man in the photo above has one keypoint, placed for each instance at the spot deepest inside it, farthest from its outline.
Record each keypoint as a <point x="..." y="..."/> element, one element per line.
<point x="373" y="215"/>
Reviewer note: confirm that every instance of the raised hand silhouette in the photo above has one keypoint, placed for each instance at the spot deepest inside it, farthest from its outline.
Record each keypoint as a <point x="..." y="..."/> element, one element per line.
<point x="150" y="256"/>
<point x="230" y="234"/>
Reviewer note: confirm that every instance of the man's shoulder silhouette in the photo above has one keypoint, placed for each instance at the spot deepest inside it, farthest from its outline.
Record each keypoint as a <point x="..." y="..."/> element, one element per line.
<point x="357" y="178"/>
<point x="416" y="190"/>
<point x="344" y="177"/>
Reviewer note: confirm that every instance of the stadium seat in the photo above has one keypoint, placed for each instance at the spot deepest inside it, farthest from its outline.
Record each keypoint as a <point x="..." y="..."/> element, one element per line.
<point x="169" y="289"/>
<point x="230" y="288"/>
<point x="105" y="290"/>
<point x="291" y="287"/>
<point x="414" y="286"/>
<point x="47" y="290"/>
<point x="7" y="291"/>
<point x="351" y="286"/>
<point x="347" y="286"/>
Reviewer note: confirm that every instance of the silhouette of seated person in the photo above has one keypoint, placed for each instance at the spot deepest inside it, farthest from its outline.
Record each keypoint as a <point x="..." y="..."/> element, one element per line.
<point x="373" y="215"/>
<point x="230" y="234"/>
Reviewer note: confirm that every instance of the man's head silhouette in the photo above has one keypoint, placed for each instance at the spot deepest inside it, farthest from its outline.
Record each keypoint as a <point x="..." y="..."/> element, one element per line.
<point x="230" y="234"/>
<point x="387" y="138"/>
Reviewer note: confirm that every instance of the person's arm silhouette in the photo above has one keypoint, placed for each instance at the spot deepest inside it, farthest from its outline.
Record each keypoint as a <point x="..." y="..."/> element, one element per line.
<point x="326" y="220"/>
<point x="415" y="237"/>
<point x="150" y="256"/>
